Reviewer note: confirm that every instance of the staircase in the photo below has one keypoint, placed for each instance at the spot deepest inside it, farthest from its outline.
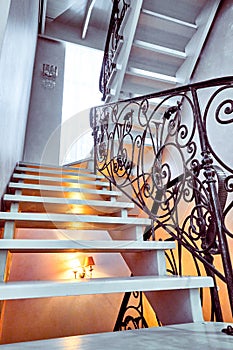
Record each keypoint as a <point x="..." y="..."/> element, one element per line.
<point x="160" y="43"/>
<point x="70" y="198"/>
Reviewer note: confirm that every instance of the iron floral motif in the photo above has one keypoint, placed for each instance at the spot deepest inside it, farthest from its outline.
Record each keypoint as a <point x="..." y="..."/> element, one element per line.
<point x="162" y="155"/>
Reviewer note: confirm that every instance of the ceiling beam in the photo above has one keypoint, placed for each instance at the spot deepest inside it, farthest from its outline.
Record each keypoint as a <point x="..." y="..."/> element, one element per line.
<point x="87" y="16"/>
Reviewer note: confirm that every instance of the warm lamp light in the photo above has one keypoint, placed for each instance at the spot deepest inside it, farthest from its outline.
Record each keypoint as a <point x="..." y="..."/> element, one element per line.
<point x="89" y="262"/>
<point x="76" y="266"/>
<point x="84" y="270"/>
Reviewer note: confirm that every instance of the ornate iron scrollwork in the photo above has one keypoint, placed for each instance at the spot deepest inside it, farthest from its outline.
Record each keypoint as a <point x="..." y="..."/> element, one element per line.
<point x="165" y="156"/>
<point x="131" y="314"/>
<point x="114" y="37"/>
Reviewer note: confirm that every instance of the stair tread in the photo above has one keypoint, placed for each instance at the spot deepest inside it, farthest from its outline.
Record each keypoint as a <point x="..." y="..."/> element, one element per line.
<point x="35" y="245"/>
<point x="158" y="48"/>
<point x="171" y="34"/>
<point x="71" y="218"/>
<point x="63" y="200"/>
<point x="151" y="75"/>
<point x="63" y="172"/>
<point x="168" y="18"/>
<point x="51" y="166"/>
<point x="60" y="180"/>
<point x="40" y="187"/>
<point x="140" y="85"/>
<point x="194" y="335"/>
<point x="182" y="10"/>
<point x="42" y="289"/>
<point x="71" y="221"/>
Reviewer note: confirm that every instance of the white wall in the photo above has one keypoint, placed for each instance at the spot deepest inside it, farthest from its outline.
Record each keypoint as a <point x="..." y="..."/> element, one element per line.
<point x="42" y="143"/>
<point x="216" y="57"/>
<point x="16" y="66"/>
<point x="4" y="12"/>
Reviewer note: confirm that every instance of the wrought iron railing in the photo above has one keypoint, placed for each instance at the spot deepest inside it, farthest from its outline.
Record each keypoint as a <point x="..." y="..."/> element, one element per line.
<point x="170" y="152"/>
<point x="112" y="43"/>
<point x="131" y="314"/>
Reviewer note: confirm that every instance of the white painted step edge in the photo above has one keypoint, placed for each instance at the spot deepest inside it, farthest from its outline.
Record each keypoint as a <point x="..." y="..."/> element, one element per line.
<point x="51" y="166"/>
<point x="152" y="75"/>
<point x="61" y="179"/>
<point x="66" y="201"/>
<point x="158" y="48"/>
<point x="35" y="245"/>
<point x="62" y="189"/>
<point x="45" y="217"/>
<point x="43" y="289"/>
<point x="58" y="172"/>
<point x="168" y="18"/>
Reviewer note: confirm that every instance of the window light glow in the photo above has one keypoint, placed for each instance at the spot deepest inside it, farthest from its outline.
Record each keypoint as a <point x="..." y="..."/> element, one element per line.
<point x="81" y="92"/>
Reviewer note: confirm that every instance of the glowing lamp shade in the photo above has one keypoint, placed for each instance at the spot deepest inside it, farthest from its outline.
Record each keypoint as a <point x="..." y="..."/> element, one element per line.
<point x="89" y="261"/>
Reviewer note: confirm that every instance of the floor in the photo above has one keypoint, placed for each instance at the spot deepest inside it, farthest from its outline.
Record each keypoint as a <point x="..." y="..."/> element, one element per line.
<point x="187" y="336"/>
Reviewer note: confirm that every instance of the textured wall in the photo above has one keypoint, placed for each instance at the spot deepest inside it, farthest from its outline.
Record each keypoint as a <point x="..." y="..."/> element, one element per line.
<point x="16" y="66"/>
<point x="216" y="57"/>
<point x="42" y="142"/>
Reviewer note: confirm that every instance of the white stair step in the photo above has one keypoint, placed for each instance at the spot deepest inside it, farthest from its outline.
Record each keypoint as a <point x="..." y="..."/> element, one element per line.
<point x="53" y="167"/>
<point x="62" y="172"/>
<point x="192" y="336"/>
<point x="59" y="179"/>
<point x="152" y="75"/>
<point x="144" y="86"/>
<point x="169" y="19"/>
<point x="183" y="10"/>
<point x="169" y="34"/>
<point x="69" y="221"/>
<point x="156" y="61"/>
<point x="56" y="246"/>
<point x="44" y="289"/>
<point x="38" y="187"/>
<point x="67" y="201"/>
<point x="67" y="205"/>
<point x="160" y="49"/>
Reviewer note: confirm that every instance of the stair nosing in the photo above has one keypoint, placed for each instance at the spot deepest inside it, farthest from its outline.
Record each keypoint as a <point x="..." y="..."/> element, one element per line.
<point x="57" y="179"/>
<point x="42" y="289"/>
<point x="168" y="18"/>
<point x="151" y="75"/>
<point x="116" y="246"/>
<point x="158" y="48"/>
<point x="63" y="200"/>
<point x="65" y="173"/>
<point x="63" y="218"/>
<point x="50" y="166"/>
<point x="38" y="187"/>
